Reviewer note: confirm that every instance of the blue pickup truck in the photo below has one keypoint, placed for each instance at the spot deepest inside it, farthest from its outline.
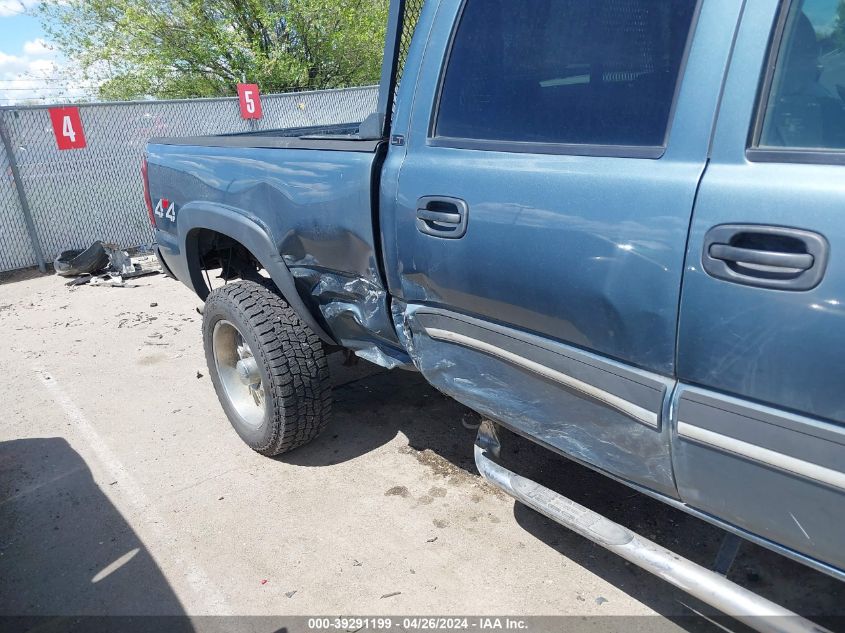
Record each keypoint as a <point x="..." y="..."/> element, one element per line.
<point x="612" y="227"/>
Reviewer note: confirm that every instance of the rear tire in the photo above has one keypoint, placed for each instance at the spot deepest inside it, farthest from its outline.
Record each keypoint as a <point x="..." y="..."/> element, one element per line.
<point x="251" y="334"/>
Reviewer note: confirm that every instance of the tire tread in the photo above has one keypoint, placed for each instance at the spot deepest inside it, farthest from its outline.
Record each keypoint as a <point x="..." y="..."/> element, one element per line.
<point x="300" y="390"/>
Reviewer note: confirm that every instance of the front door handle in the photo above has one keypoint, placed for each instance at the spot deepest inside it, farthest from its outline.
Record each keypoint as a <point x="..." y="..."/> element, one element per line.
<point x="442" y="216"/>
<point x="775" y="257"/>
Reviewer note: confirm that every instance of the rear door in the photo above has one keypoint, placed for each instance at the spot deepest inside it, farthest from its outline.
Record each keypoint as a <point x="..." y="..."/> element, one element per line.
<point x="538" y="237"/>
<point x="761" y="420"/>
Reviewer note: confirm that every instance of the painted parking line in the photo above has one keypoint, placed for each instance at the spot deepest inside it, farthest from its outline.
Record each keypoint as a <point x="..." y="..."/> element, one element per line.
<point x="206" y="599"/>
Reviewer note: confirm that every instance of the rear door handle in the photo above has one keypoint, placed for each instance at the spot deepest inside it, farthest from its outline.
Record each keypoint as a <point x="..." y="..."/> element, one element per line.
<point x="775" y="257"/>
<point x="442" y="216"/>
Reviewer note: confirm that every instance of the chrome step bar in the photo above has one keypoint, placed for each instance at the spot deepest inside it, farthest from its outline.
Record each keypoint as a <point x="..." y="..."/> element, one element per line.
<point x="706" y="585"/>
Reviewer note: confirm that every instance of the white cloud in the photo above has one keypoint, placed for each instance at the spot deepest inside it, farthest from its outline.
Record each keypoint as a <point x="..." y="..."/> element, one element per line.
<point x="11" y="64"/>
<point x="38" y="73"/>
<point x="15" y="7"/>
<point x="38" y="48"/>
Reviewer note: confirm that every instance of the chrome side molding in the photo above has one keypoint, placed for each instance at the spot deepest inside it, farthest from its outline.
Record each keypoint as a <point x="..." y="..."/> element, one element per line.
<point x="706" y="585"/>
<point x="649" y="418"/>
<point x="786" y="463"/>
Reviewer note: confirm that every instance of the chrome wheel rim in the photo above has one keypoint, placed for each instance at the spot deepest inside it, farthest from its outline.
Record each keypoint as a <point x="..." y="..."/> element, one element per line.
<point x="238" y="372"/>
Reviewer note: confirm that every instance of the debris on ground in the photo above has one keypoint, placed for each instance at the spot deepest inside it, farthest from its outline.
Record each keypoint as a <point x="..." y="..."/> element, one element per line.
<point x="199" y="374"/>
<point x="601" y="600"/>
<point x="75" y="262"/>
<point x="144" y="265"/>
<point x="390" y="595"/>
<point x="113" y="281"/>
<point x="104" y="264"/>
<point x="263" y="581"/>
<point x="431" y="540"/>
<point x="290" y="594"/>
<point x="153" y="305"/>
<point x="79" y="281"/>
<point x="119" y="260"/>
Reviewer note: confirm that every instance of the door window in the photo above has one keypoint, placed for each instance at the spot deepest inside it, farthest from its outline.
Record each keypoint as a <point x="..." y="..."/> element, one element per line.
<point x="805" y="106"/>
<point x="602" y="72"/>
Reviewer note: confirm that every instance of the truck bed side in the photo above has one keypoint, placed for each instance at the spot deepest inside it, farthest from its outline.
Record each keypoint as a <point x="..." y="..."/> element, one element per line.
<point x="301" y="207"/>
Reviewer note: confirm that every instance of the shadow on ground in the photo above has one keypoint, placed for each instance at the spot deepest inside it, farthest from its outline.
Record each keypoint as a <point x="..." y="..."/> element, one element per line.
<point x="65" y="550"/>
<point x="23" y="274"/>
<point x="372" y="406"/>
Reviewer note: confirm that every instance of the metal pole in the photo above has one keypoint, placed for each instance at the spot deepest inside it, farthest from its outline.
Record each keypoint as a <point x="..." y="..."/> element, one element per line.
<point x="27" y="213"/>
<point x="390" y="63"/>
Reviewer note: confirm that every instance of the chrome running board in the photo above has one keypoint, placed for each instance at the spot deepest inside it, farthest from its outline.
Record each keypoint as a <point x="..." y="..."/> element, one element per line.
<point x="706" y="585"/>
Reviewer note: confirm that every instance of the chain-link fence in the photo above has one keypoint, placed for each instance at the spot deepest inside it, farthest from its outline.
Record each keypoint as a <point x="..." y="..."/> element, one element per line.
<point x="16" y="249"/>
<point x="78" y="196"/>
<point x="411" y="10"/>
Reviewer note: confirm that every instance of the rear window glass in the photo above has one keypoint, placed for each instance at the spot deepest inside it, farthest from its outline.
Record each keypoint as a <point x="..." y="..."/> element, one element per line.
<point x="601" y="72"/>
<point x="806" y="105"/>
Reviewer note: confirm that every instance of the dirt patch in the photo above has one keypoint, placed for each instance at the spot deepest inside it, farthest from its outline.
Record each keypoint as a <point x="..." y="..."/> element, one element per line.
<point x="152" y="359"/>
<point x="440" y="466"/>
<point x="397" y="491"/>
<point x="454" y="475"/>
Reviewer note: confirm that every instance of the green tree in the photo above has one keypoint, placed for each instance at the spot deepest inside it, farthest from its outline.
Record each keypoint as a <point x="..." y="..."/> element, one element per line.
<point x="203" y="48"/>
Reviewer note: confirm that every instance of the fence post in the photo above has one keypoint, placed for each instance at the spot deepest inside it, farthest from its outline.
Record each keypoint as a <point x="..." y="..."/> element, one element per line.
<point x="16" y="176"/>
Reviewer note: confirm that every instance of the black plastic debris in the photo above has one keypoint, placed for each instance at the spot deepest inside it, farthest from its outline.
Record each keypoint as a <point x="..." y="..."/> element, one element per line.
<point x="74" y="263"/>
<point x="80" y="281"/>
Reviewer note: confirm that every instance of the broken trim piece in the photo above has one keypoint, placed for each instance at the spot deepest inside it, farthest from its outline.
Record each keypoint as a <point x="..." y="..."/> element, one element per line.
<point x="786" y="463"/>
<point x="640" y="414"/>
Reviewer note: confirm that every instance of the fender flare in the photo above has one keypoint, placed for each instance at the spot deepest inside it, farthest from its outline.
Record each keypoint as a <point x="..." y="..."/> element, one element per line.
<point x="236" y="225"/>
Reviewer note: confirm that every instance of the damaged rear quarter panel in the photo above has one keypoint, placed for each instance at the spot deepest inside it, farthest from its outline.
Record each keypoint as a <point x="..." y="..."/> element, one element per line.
<point x="315" y="205"/>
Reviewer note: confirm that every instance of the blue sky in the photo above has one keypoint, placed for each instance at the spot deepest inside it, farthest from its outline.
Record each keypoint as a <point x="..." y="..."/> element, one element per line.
<point x="30" y="69"/>
<point x="17" y="29"/>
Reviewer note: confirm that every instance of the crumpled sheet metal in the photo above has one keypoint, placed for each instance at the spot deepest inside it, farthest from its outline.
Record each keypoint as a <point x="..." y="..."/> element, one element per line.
<point x="329" y="247"/>
<point x="543" y="410"/>
<point x="356" y="312"/>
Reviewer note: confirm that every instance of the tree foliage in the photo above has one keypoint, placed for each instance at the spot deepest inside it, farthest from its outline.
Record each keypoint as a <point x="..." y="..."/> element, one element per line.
<point x="202" y="48"/>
